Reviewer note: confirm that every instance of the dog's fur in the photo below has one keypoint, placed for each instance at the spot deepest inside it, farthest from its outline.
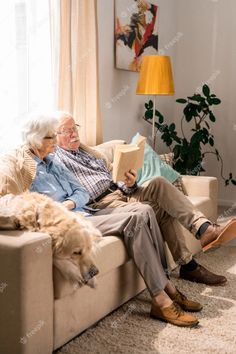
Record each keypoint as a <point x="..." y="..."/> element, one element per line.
<point x="74" y="237"/>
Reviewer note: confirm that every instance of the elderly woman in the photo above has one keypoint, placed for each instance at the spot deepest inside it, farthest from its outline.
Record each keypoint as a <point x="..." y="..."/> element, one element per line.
<point x="50" y="178"/>
<point x="135" y="222"/>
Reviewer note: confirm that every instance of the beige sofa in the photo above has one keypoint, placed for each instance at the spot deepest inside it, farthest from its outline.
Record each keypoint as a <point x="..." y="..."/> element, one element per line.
<point x="39" y="311"/>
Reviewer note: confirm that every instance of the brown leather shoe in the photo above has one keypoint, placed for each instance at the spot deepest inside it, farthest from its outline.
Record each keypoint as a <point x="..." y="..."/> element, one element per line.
<point x="215" y="235"/>
<point x="185" y="303"/>
<point x="173" y="314"/>
<point x="202" y="275"/>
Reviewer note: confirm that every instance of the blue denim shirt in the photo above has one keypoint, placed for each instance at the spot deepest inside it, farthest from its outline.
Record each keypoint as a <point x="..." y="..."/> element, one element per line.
<point x="57" y="182"/>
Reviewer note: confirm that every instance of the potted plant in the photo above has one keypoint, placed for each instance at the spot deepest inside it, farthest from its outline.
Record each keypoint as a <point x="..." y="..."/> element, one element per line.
<point x="189" y="152"/>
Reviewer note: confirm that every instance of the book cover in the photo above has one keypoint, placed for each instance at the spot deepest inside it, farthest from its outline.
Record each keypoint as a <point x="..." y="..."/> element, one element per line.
<point x="128" y="157"/>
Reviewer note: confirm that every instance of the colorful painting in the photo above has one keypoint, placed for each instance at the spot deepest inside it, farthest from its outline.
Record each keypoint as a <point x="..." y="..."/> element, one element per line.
<point x="135" y="32"/>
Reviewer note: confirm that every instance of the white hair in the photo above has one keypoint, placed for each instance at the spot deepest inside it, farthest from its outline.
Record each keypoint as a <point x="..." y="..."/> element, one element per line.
<point x="60" y="115"/>
<point x="37" y="126"/>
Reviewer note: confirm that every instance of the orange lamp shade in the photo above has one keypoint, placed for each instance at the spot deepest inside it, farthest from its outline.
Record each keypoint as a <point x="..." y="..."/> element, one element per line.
<point x="155" y="77"/>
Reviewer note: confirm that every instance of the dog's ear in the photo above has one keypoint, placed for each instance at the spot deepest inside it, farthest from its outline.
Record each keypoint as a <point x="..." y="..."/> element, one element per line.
<point x="96" y="238"/>
<point x="57" y="245"/>
<point x="95" y="243"/>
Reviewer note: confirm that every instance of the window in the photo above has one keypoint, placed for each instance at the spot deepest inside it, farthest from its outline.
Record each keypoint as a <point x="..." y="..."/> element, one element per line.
<point x="25" y="65"/>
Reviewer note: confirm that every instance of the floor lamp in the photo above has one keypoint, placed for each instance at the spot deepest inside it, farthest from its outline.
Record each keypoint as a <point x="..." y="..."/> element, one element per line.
<point x="155" y="78"/>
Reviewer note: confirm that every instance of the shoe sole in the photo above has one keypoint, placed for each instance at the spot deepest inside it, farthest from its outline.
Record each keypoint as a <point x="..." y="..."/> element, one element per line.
<point x="227" y="234"/>
<point x="193" y="280"/>
<point x="189" y="309"/>
<point x="176" y="323"/>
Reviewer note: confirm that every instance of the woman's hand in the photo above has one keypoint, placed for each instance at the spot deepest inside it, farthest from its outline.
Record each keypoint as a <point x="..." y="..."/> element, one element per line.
<point x="69" y="204"/>
<point x="131" y="176"/>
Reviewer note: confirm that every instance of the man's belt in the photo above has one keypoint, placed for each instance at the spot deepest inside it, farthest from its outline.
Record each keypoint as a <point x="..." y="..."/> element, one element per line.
<point x="112" y="188"/>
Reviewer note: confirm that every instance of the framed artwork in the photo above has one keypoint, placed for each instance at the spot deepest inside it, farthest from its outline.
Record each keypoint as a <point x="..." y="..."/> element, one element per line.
<point x="135" y="32"/>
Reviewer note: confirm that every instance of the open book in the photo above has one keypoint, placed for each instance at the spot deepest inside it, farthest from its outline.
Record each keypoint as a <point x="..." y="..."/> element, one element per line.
<point x="128" y="157"/>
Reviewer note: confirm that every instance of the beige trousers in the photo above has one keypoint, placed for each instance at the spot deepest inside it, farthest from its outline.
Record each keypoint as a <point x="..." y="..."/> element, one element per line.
<point x="171" y="207"/>
<point x="136" y="224"/>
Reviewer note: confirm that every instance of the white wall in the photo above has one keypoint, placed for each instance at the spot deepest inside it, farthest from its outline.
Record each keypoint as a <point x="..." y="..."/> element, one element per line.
<point x="207" y="53"/>
<point x="199" y="37"/>
<point x="121" y="108"/>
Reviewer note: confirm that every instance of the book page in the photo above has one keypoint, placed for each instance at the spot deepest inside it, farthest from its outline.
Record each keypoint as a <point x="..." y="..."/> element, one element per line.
<point x="141" y="144"/>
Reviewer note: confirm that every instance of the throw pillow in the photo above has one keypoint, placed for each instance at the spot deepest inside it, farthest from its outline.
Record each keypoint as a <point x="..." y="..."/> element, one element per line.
<point x="154" y="166"/>
<point x="168" y="158"/>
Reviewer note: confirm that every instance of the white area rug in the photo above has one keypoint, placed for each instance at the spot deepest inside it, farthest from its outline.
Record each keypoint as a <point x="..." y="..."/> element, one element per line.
<point x="129" y="329"/>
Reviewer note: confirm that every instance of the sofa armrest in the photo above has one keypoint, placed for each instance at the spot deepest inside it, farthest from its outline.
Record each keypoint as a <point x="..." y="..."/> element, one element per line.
<point x="203" y="186"/>
<point x="26" y="293"/>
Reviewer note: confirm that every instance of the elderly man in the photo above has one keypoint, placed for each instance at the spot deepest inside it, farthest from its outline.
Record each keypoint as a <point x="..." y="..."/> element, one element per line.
<point x="171" y="207"/>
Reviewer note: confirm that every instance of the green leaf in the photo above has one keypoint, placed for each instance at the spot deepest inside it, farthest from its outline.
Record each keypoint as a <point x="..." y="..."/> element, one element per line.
<point x="233" y="182"/>
<point x="177" y="139"/>
<point x="216" y="101"/>
<point x="210" y="100"/>
<point x="212" y="117"/>
<point x="172" y="127"/>
<point x="149" y="114"/>
<point x="146" y="105"/>
<point x="161" y="120"/>
<point x="176" y="151"/>
<point x="211" y="141"/>
<point x="160" y="117"/>
<point x="206" y="90"/>
<point x="181" y="100"/>
<point x="150" y="104"/>
<point x="197" y="98"/>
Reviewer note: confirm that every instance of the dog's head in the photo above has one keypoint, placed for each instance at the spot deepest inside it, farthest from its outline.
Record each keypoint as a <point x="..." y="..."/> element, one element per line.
<point x="73" y="254"/>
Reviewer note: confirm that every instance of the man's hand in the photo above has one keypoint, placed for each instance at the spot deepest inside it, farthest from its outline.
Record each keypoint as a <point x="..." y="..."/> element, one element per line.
<point x="69" y="204"/>
<point x="131" y="176"/>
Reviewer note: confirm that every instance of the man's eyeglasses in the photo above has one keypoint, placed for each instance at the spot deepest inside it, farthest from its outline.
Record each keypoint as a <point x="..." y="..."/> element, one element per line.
<point x="69" y="131"/>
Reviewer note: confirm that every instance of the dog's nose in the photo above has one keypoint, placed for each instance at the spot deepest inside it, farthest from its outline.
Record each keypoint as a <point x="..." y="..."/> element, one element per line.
<point x="93" y="270"/>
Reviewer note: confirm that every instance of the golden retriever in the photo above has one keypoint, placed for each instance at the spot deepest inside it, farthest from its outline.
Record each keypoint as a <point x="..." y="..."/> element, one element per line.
<point x="74" y="238"/>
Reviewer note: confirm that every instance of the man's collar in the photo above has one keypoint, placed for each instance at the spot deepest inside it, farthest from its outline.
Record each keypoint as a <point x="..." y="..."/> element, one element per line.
<point x="73" y="152"/>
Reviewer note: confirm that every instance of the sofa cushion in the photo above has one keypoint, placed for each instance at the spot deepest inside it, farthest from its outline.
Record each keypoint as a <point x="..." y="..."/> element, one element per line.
<point x="17" y="170"/>
<point x="154" y="166"/>
<point x="111" y="254"/>
<point x="178" y="183"/>
<point x="108" y="148"/>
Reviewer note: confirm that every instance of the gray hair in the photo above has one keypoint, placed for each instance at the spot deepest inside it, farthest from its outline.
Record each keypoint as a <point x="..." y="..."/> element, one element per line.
<point x="63" y="114"/>
<point x="37" y="126"/>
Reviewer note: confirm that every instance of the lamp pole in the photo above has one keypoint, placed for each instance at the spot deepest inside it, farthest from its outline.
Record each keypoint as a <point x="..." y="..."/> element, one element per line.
<point x="153" y="122"/>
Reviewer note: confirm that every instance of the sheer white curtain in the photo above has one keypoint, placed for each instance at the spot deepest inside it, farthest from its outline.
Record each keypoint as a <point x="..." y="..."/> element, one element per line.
<point x="25" y="65"/>
<point x="78" y="81"/>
